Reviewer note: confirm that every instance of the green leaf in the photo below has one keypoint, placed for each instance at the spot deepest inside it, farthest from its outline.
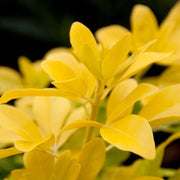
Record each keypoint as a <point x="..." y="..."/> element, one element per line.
<point x="115" y="157"/>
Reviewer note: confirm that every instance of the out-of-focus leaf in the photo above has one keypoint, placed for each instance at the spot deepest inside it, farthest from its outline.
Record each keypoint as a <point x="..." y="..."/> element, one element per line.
<point x="126" y="172"/>
<point x="55" y="110"/>
<point x="144" y="24"/>
<point x="176" y="176"/>
<point x="9" y="79"/>
<point x="163" y="107"/>
<point x="33" y="74"/>
<point x="91" y="159"/>
<point x="148" y="178"/>
<point x="144" y="167"/>
<point x="115" y="61"/>
<point x="115" y="157"/>
<point x="75" y="114"/>
<point x="44" y="166"/>
<point x="110" y="35"/>
<point x="9" y="164"/>
<point x="138" y="93"/>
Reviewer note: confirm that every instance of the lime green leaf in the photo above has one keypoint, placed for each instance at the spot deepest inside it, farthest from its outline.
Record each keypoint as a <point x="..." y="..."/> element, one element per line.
<point x="131" y="133"/>
<point x="115" y="157"/>
<point x="91" y="159"/>
<point x="176" y="176"/>
<point x="152" y="167"/>
<point x="126" y="172"/>
<point x="148" y="178"/>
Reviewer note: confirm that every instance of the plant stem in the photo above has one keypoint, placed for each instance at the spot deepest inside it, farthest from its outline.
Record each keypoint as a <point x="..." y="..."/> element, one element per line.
<point x="94" y="109"/>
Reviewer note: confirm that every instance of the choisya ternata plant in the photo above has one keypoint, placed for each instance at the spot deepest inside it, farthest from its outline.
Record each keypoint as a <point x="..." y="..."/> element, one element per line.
<point x="92" y="74"/>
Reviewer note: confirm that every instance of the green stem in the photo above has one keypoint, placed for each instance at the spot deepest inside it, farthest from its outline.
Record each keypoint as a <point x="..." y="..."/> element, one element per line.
<point x="94" y="109"/>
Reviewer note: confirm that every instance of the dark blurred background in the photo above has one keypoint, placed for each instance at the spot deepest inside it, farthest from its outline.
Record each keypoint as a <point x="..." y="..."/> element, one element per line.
<point x="32" y="27"/>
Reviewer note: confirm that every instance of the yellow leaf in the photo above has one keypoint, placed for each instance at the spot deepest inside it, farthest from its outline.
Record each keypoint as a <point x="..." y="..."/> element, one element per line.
<point x="78" y="113"/>
<point x="7" y="136"/>
<point x="143" y="60"/>
<point x="43" y="144"/>
<point x="33" y="75"/>
<point x="19" y="174"/>
<point x="19" y="123"/>
<point x="170" y="76"/>
<point x="119" y="93"/>
<point x="116" y="60"/>
<point x="145" y="167"/>
<point x="131" y="133"/>
<point x="25" y="105"/>
<point x="70" y="76"/>
<point x="18" y="93"/>
<point x="66" y="167"/>
<point x="141" y="91"/>
<point x="9" y="152"/>
<point x="173" y="16"/>
<point x="110" y="35"/>
<point x="80" y="36"/>
<point x="75" y="87"/>
<point x="91" y="62"/>
<point x="143" y="24"/>
<point x="91" y="159"/>
<point x="40" y="164"/>
<point x="50" y="113"/>
<point x="61" y="66"/>
<point x="9" y="79"/>
<point x="163" y="105"/>
<point x="169" y="115"/>
<point x="80" y="124"/>
<point x="43" y="166"/>
<point x="56" y="50"/>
